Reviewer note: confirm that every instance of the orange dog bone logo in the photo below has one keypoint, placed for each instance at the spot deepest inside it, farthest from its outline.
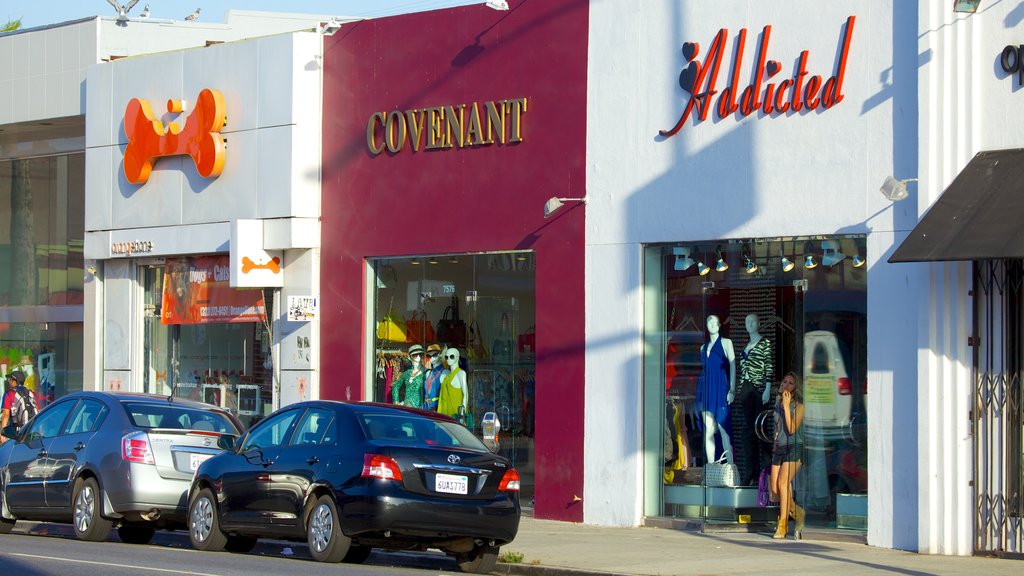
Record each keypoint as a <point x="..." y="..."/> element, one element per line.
<point x="248" y="265"/>
<point x="200" y="138"/>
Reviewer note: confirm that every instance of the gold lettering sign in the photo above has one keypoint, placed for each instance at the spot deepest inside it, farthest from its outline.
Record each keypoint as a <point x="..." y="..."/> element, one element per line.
<point x="446" y="127"/>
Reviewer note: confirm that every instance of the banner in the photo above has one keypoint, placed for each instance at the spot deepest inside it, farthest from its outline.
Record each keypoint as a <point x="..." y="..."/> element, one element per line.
<point x="197" y="291"/>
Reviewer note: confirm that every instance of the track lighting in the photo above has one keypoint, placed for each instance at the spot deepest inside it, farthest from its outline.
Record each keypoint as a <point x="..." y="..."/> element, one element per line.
<point x="787" y="264"/>
<point x="751" y="266"/>
<point x="722" y="265"/>
<point x="809" y="262"/>
<point x="830" y="254"/>
<point x="703" y="268"/>
<point x="858" y="261"/>
<point x="683" y="260"/>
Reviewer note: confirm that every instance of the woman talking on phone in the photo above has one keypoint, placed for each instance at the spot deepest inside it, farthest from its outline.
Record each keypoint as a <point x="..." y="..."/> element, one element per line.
<point x="789" y="444"/>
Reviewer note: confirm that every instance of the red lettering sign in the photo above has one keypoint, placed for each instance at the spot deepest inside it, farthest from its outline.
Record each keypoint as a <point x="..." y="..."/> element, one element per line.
<point x="700" y="80"/>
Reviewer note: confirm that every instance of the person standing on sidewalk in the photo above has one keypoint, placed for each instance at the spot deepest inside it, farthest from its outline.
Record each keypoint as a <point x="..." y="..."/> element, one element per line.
<point x="788" y="445"/>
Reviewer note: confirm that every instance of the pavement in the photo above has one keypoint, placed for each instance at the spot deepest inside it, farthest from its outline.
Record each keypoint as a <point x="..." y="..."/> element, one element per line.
<point x="552" y="548"/>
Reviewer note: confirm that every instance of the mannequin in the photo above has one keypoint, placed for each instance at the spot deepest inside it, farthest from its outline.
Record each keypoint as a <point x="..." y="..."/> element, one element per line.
<point x="756" y="373"/>
<point x="716" y="389"/>
<point x="411" y="380"/>
<point x="454" y="395"/>
<point x="436" y="371"/>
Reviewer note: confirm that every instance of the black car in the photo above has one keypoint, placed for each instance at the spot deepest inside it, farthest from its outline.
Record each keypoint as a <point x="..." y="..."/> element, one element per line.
<point x="350" y="477"/>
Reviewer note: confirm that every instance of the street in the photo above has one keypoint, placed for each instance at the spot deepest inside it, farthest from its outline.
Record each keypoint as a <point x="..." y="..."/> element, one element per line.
<point x="50" y="549"/>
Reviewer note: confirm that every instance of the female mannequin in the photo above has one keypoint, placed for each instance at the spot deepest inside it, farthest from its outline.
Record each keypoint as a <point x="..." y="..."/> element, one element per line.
<point x="454" y="392"/>
<point x="411" y="380"/>
<point x="757" y="367"/>
<point x="716" y="389"/>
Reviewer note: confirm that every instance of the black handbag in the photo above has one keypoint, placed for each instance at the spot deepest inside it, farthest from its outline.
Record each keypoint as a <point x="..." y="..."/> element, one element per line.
<point x="451" y="330"/>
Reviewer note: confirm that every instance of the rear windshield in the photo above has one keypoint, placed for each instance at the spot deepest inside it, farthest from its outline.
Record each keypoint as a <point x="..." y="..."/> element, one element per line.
<point x="412" y="429"/>
<point x="178" y="417"/>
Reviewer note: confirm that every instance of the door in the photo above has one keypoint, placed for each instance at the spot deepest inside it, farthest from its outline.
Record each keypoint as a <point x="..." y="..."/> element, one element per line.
<point x="66" y="448"/>
<point x="297" y="466"/>
<point x="30" y="464"/>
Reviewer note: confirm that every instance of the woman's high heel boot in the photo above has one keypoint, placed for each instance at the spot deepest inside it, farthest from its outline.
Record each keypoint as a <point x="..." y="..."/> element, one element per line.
<point x="783" y="528"/>
<point x="799" y="515"/>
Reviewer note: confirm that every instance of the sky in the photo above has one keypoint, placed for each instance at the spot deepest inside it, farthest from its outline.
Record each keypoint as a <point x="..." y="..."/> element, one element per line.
<point x="42" y="12"/>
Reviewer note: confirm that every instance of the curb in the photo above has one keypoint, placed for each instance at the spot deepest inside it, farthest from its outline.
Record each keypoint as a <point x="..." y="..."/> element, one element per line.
<point x="545" y="570"/>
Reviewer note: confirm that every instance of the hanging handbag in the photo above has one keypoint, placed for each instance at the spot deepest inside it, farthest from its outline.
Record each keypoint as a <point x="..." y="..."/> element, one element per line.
<point x="501" y="350"/>
<point x="391" y="328"/>
<point x="476" y="349"/>
<point x="528" y="341"/>
<point x="451" y="330"/>
<point x="419" y="329"/>
<point x="720" y="473"/>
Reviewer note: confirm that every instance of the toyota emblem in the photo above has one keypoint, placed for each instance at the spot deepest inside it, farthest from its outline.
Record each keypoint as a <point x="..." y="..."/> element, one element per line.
<point x="454" y="459"/>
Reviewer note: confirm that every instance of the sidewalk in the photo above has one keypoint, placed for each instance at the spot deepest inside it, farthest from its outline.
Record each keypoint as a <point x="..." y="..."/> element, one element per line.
<point x="552" y="548"/>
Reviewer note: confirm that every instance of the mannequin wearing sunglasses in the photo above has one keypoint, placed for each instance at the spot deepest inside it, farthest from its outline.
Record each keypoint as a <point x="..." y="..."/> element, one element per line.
<point x="436" y="372"/>
<point x="454" y="391"/>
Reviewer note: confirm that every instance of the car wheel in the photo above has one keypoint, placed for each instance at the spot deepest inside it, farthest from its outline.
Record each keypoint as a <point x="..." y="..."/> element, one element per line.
<point x="240" y="544"/>
<point x="357" y="554"/>
<point x="136" y="532"/>
<point x="480" y="561"/>
<point x="203" y="525"/>
<point x="323" y="532"/>
<point x="89" y="523"/>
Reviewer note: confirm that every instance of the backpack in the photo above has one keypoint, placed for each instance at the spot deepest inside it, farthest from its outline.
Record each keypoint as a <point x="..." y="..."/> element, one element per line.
<point x="23" y="408"/>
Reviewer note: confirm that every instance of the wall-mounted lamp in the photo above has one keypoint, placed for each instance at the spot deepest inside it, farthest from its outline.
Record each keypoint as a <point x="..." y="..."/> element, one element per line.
<point x="331" y="26"/>
<point x="721" y="265"/>
<point x="683" y="260"/>
<point x="830" y="254"/>
<point x="554" y="203"/>
<point x="896" y="190"/>
<point x="497" y="4"/>
<point x="966" y="5"/>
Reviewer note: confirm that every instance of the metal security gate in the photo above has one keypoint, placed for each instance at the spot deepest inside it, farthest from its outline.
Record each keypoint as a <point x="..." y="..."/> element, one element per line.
<point x="997" y="413"/>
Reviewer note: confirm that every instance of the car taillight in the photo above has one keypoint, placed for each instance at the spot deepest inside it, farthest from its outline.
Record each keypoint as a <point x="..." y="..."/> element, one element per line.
<point x="380" y="466"/>
<point x="844" y="387"/>
<point x="510" y="481"/>
<point x="135" y="448"/>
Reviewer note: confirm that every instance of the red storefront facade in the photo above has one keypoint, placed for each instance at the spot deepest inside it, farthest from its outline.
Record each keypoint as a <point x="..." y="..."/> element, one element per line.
<point x="399" y="180"/>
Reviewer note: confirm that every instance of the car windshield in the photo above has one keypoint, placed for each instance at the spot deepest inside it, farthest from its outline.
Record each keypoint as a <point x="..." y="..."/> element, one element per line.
<point x="412" y="429"/>
<point x="179" y="417"/>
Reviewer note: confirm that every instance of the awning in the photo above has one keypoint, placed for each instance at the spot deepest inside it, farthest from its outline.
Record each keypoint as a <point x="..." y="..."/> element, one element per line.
<point x="979" y="217"/>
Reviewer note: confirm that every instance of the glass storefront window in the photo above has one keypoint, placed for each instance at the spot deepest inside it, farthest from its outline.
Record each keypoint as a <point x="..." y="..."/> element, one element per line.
<point x="228" y="364"/>
<point x="737" y="316"/>
<point x="475" y="311"/>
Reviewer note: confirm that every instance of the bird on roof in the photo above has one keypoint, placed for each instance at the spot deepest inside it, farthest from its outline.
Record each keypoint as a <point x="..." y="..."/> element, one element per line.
<point x="192" y="16"/>
<point x="123" y="9"/>
<point x="145" y="12"/>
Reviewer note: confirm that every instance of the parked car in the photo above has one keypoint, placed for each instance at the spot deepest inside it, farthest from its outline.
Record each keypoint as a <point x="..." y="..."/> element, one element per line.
<point x="347" y="478"/>
<point x="103" y="459"/>
<point x="828" y="390"/>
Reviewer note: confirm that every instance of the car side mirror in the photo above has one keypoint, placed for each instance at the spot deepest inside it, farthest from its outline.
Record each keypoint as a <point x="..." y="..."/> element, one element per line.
<point x="10" y="431"/>
<point x="226" y="442"/>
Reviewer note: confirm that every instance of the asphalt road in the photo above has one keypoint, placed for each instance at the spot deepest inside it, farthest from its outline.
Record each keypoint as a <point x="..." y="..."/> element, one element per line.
<point x="46" y="549"/>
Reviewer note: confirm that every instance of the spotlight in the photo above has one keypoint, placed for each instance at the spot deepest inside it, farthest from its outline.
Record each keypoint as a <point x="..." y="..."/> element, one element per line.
<point x="970" y="6"/>
<point x="858" y="261"/>
<point x="787" y="264"/>
<point x="703" y="268"/>
<point x="415" y="262"/>
<point x="809" y="262"/>
<point x="830" y="254"/>
<point x="896" y="190"/>
<point x="683" y="260"/>
<point x="432" y="261"/>
<point x="722" y="265"/>
<point x="751" y="266"/>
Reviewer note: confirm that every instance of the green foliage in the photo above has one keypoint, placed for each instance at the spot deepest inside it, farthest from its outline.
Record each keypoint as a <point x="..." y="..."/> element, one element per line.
<point x="11" y="25"/>
<point x="510" y="557"/>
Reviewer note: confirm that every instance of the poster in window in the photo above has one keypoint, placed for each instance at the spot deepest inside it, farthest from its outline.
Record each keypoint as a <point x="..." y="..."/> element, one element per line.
<point x="197" y="291"/>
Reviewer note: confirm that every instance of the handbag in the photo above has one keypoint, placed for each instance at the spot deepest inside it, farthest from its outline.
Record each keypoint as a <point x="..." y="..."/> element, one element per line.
<point x="451" y="329"/>
<point x="528" y="341"/>
<point x="764" y="492"/>
<point x="390" y="329"/>
<point x="419" y="329"/>
<point x="719" y="473"/>
<point x="476" y="349"/>
<point x="501" y="350"/>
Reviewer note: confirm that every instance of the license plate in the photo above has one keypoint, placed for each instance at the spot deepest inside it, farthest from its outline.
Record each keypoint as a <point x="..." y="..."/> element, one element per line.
<point x="194" y="460"/>
<point x="451" y="484"/>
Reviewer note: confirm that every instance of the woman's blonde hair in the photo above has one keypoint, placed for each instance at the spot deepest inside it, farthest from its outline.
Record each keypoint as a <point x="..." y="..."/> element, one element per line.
<point x="798" y="389"/>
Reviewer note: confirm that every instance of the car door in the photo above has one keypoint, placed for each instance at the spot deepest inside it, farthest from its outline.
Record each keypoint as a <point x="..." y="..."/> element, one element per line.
<point x="67" y="449"/>
<point x="244" y="477"/>
<point x="297" y="465"/>
<point x="30" y="465"/>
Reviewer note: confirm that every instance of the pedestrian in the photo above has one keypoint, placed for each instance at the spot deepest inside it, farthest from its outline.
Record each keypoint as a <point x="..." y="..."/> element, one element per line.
<point x="787" y="448"/>
<point x="19" y="403"/>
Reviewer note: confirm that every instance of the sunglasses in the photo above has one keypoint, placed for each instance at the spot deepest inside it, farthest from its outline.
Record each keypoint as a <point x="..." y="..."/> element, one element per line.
<point x="433" y="354"/>
<point x="451" y="356"/>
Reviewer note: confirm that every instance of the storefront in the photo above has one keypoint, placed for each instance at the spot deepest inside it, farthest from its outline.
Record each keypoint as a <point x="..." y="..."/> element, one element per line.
<point x="453" y="131"/>
<point x="197" y="250"/>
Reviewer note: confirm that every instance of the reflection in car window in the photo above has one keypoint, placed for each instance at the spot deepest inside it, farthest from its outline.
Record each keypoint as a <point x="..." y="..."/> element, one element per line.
<point x="271" y="432"/>
<point x="47" y="424"/>
<point x="87" y="417"/>
<point x="178" y="417"/>
<point x="417" y="430"/>
<point x="313" y="427"/>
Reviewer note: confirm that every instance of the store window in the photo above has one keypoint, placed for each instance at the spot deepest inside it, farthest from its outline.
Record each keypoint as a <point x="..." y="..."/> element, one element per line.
<point x="471" y="311"/>
<point x="206" y="341"/>
<point x="42" y="235"/>
<point x="725" y="322"/>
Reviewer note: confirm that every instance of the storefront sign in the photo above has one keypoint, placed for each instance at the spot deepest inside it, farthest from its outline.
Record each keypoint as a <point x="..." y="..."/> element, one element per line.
<point x="196" y="291"/>
<point x="700" y="80"/>
<point x="1010" y="61"/>
<point x="303" y="308"/>
<point x="133" y="247"/>
<point x="444" y="127"/>
<point x="199" y="138"/>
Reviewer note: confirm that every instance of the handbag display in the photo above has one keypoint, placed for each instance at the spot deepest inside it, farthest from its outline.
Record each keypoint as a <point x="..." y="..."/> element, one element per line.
<point x="501" y="349"/>
<point x="392" y="327"/>
<point x="451" y="330"/>
<point x="719" y="473"/>
<point x="418" y="328"/>
<point x="476" y="349"/>
<point x="528" y="341"/>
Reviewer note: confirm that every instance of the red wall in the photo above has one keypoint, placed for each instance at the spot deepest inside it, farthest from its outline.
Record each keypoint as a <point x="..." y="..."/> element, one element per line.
<point x="492" y="196"/>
